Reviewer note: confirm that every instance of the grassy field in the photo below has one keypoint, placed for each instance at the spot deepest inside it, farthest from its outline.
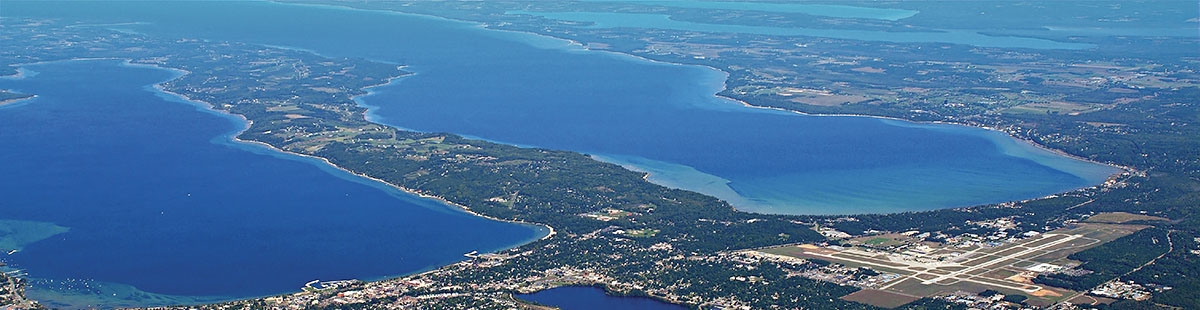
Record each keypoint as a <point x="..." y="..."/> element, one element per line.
<point x="1121" y="217"/>
<point x="880" y="298"/>
<point x="1053" y="107"/>
<point x="884" y="240"/>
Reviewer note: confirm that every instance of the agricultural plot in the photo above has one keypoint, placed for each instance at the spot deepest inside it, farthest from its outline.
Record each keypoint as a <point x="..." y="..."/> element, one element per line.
<point x="1121" y="218"/>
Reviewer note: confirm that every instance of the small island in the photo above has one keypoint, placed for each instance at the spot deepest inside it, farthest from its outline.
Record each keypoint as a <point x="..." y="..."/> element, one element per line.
<point x="9" y="96"/>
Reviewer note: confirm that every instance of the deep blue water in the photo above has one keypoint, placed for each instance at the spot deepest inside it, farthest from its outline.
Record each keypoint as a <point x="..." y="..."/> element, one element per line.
<point x="257" y="222"/>
<point x="156" y="195"/>
<point x="530" y="90"/>
<point x="593" y="298"/>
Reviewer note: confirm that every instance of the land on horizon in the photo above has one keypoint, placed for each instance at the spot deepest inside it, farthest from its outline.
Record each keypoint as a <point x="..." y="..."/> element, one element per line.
<point x="469" y="184"/>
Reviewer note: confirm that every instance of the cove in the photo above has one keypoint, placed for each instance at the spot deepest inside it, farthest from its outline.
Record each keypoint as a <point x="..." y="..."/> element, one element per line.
<point x="532" y="90"/>
<point x="140" y="198"/>
<point x="594" y="298"/>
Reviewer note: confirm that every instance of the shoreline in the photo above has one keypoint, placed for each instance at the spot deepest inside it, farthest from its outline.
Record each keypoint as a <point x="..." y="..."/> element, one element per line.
<point x="248" y="123"/>
<point x="366" y="92"/>
<point x="573" y="45"/>
<point x="893" y="118"/>
<point x="233" y="137"/>
<point x="16" y="100"/>
<point x="15" y="76"/>
<point x="725" y="86"/>
<point x="159" y="86"/>
<point x="579" y="46"/>
<point x="459" y="207"/>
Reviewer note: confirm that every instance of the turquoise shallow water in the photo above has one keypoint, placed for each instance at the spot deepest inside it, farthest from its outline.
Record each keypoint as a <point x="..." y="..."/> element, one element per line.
<point x="502" y="86"/>
<point x="111" y="187"/>
<point x="529" y="90"/>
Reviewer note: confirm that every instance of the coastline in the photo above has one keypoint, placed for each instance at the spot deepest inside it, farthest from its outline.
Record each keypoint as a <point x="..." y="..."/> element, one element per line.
<point x="725" y="86"/>
<point x="573" y="45"/>
<point x="233" y="137"/>
<point x="16" y="100"/>
<point x="15" y="76"/>
<point x="367" y="90"/>
<point x="576" y="46"/>
<point x="892" y="118"/>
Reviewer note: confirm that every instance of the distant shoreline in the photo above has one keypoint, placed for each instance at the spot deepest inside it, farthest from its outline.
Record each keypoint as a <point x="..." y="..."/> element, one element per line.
<point x="160" y="87"/>
<point x="725" y="84"/>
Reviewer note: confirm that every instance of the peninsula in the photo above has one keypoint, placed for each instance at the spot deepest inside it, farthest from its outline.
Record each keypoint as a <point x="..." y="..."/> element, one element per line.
<point x="616" y="230"/>
<point x="8" y="96"/>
